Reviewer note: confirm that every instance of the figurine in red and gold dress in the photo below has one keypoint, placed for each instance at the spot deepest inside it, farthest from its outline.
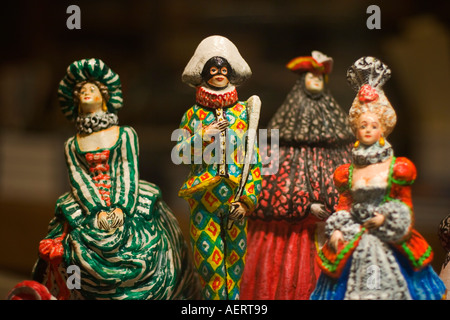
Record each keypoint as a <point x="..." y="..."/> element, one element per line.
<point x="373" y="251"/>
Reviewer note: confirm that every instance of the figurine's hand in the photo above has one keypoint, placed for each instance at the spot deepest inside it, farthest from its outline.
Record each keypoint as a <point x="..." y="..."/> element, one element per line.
<point x="336" y="238"/>
<point x="215" y="128"/>
<point x="102" y="220"/>
<point x="116" y="217"/>
<point x="319" y="211"/>
<point x="238" y="211"/>
<point x="374" y="222"/>
<point x="110" y="220"/>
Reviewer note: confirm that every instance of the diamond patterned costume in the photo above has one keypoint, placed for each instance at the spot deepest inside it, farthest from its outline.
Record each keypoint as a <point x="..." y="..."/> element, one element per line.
<point x="219" y="253"/>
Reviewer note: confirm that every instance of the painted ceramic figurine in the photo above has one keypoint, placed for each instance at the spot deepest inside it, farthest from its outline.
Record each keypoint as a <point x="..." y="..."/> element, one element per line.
<point x="314" y="139"/>
<point x="225" y="178"/>
<point x="373" y="250"/>
<point x="444" y="237"/>
<point x="113" y="226"/>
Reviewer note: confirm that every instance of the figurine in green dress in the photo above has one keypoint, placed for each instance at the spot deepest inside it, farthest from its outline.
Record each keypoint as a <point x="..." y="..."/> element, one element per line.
<point x="111" y="226"/>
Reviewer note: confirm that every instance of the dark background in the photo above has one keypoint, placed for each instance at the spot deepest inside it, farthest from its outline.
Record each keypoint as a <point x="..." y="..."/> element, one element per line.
<point x="148" y="43"/>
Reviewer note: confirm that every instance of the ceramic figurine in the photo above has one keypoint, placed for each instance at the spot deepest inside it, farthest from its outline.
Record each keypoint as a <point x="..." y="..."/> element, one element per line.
<point x="219" y="142"/>
<point x="112" y="226"/>
<point x="372" y="249"/>
<point x="314" y="139"/>
<point x="444" y="237"/>
<point x="30" y="290"/>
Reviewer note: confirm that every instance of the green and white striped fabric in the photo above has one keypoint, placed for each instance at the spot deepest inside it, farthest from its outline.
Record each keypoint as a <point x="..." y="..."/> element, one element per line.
<point x="124" y="174"/>
<point x="145" y="258"/>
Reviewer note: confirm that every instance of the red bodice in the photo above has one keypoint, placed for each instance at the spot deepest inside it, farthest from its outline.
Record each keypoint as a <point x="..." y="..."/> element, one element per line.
<point x="99" y="171"/>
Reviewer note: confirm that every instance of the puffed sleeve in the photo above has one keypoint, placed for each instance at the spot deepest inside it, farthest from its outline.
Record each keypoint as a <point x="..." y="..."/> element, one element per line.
<point x="403" y="176"/>
<point x="342" y="220"/>
<point x="342" y="183"/>
<point x="397" y="208"/>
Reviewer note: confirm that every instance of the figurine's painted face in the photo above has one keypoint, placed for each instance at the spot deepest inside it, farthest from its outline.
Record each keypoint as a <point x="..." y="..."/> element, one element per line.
<point x="216" y="72"/>
<point x="369" y="129"/>
<point x="314" y="82"/>
<point x="90" y="98"/>
<point x="220" y="78"/>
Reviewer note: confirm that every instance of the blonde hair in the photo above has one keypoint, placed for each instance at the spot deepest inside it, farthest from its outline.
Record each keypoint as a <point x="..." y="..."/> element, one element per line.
<point x="380" y="107"/>
<point x="367" y="77"/>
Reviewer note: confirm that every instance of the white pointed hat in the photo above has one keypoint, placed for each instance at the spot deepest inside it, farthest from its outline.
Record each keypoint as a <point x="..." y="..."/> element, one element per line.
<point x="213" y="46"/>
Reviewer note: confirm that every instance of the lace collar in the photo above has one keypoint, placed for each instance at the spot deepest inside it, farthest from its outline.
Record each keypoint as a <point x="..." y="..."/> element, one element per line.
<point x="364" y="155"/>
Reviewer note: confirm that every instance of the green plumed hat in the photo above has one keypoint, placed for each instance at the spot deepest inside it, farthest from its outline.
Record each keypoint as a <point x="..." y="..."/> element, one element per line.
<point x="88" y="70"/>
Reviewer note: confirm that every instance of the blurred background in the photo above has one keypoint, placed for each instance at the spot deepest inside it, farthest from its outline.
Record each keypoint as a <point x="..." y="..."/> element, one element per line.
<point x="148" y="43"/>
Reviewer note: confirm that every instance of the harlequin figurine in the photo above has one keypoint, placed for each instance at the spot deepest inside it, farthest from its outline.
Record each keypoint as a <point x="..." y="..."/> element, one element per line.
<point x="224" y="183"/>
<point x="112" y="226"/>
<point x="314" y="139"/>
<point x="373" y="251"/>
<point x="444" y="237"/>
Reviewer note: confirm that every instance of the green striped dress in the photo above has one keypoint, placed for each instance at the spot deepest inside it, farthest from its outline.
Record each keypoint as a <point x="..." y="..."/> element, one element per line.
<point x="145" y="258"/>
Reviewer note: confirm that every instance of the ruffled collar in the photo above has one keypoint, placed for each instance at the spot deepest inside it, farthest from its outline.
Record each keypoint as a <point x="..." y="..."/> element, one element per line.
<point x="94" y="122"/>
<point x="216" y="99"/>
<point x="364" y="155"/>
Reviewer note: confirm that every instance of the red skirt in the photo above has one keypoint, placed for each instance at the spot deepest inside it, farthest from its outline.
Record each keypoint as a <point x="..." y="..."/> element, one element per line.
<point x="281" y="260"/>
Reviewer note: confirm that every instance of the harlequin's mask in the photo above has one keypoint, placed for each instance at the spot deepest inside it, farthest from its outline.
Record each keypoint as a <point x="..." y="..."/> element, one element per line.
<point x="217" y="72"/>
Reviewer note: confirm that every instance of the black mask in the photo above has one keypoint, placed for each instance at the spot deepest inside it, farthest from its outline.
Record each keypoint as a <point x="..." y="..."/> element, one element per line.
<point x="216" y="66"/>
